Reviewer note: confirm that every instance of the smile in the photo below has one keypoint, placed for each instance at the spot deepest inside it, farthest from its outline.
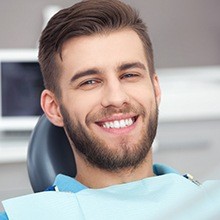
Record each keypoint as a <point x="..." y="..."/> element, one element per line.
<point x="117" y="124"/>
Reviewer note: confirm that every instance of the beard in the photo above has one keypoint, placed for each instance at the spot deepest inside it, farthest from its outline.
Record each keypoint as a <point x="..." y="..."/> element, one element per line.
<point x="98" y="153"/>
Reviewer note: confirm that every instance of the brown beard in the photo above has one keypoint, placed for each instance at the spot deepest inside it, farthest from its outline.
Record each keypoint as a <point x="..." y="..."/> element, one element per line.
<point x="95" y="151"/>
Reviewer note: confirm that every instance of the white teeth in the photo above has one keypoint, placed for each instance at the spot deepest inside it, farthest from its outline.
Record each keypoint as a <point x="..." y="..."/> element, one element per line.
<point x="130" y="122"/>
<point x="107" y="125"/>
<point x="122" y="123"/>
<point x="118" y="124"/>
<point x="111" y="125"/>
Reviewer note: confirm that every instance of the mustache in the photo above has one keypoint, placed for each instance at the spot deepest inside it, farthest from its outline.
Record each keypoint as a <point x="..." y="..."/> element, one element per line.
<point x="109" y="111"/>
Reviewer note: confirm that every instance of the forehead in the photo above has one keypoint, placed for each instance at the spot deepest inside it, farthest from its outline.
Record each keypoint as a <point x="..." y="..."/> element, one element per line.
<point x="102" y="50"/>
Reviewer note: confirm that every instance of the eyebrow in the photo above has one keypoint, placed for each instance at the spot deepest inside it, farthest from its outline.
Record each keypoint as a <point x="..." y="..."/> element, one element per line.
<point x="131" y="66"/>
<point x="85" y="73"/>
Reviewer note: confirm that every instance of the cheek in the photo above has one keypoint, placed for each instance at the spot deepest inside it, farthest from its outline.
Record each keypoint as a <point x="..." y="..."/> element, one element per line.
<point x="81" y="106"/>
<point x="144" y="94"/>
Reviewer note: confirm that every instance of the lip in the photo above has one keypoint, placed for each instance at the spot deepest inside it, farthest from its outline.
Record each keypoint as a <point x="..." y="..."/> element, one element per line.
<point x="116" y="118"/>
<point x="118" y="131"/>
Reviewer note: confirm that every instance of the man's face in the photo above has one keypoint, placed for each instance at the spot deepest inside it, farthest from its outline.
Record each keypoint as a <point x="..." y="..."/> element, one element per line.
<point x="108" y="104"/>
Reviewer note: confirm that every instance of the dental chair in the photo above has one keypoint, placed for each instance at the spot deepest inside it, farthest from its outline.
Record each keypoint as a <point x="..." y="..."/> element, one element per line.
<point x="49" y="153"/>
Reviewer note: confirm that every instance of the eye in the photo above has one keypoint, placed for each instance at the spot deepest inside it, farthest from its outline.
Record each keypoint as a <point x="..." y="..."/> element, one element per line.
<point x="89" y="84"/>
<point x="130" y="76"/>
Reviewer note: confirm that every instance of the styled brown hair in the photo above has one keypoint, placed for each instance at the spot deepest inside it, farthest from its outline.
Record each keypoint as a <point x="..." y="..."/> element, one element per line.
<point x="84" y="19"/>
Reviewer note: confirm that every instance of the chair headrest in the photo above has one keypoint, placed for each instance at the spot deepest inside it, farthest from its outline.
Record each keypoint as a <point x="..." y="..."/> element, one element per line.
<point x="49" y="153"/>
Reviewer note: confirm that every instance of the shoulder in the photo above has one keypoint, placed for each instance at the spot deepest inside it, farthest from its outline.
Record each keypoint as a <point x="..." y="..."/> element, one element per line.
<point x="24" y="207"/>
<point x="3" y="216"/>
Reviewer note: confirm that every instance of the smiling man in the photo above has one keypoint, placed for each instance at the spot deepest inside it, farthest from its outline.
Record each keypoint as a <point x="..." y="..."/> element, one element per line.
<point x="101" y="87"/>
<point x="108" y="106"/>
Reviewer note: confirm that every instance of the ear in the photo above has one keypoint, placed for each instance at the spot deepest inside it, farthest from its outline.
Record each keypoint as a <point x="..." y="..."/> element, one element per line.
<point x="51" y="107"/>
<point x="157" y="90"/>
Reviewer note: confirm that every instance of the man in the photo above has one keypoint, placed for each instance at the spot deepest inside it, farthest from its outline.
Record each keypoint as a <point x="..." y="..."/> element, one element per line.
<point x="97" y="62"/>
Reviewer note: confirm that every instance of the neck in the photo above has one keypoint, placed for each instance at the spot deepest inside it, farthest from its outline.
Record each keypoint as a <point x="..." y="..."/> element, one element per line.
<point x="93" y="177"/>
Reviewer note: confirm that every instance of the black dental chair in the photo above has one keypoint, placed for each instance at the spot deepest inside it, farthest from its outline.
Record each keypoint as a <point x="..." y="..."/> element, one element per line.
<point x="49" y="153"/>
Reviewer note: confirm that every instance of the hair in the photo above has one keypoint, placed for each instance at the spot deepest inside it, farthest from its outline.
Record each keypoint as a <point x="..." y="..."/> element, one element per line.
<point x="86" y="18"/>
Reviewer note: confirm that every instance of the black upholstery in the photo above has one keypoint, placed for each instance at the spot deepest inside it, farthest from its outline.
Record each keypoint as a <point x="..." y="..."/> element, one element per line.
<point x="49" y="153"/>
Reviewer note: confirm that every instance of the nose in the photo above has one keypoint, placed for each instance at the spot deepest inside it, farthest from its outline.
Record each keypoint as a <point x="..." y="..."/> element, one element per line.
<point x="114" y="95"/>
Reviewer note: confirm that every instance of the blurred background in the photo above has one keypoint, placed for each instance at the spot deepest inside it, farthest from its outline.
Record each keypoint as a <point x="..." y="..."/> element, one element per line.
<point x="186" y="40"/>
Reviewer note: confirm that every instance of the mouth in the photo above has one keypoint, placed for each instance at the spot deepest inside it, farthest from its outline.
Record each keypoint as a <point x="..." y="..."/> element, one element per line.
<point x="118" y="124"/>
